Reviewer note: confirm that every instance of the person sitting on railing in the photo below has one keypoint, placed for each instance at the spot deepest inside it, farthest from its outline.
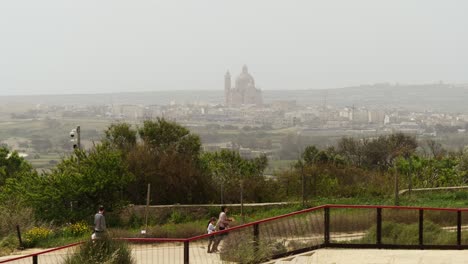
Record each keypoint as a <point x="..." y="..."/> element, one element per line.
<point x="223" y="223"/>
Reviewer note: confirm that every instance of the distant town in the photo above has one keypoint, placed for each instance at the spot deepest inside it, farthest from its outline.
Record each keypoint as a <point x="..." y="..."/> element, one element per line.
<point x="241" y="117"/>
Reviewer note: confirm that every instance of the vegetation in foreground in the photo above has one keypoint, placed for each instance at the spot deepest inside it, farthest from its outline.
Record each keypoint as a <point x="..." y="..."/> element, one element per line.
<point x="168" y="156"/>
<point x="103" y="250"/>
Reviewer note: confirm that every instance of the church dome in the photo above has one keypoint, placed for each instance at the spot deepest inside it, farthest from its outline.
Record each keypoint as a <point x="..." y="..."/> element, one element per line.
<point x="245" y="79"/>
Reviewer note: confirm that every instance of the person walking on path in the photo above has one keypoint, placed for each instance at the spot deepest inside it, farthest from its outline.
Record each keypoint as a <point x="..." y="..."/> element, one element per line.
<point x="211" y="228"/>
<point x="99" y="223"/>
<point x="223" y="223"/>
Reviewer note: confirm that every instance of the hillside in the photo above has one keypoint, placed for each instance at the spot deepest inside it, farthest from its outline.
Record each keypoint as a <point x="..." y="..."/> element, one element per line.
<point x="437" y="97"/>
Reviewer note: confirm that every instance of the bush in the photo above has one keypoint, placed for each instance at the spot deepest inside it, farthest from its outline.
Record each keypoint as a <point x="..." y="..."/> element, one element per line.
<point x="76" y="230"/>
<point x="238" y="248"/>
<point x="35" y="235"/>
<point x="14" y="213"/>
<point x="8" y="245"/>
<point x="177" y="217"/>
<point x="104" y="250"/>
<point x="134" y="221"/>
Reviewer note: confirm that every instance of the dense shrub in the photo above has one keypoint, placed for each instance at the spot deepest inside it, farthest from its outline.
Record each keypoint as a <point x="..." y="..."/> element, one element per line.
<point x="8" y="244"/>
<point x="35" y="235"/>
<point x="104" y="250"/>
<point x="76" y="229"/>
<point x="239" y="247"/>
<point x="14" y="213"/>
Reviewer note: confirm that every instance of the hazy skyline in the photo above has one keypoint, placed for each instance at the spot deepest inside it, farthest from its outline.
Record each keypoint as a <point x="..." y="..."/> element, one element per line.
<point x="122" y="46"/>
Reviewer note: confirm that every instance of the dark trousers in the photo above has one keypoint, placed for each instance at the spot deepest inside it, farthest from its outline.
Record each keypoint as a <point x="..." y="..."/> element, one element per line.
<point x="218" y="239"/>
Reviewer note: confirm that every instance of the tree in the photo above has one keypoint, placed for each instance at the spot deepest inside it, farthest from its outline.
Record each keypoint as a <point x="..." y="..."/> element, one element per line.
<point x="12" y="165"/>
<point x="309" y="154"/>
<point x="121" y="135"/>
<point x="73" y="190"/>
<point x="352" y="149"/>
<point x="163" y="135"/>
<point x="228" y="168"/>
<point x="435" y="149"/>
<point x="379" y="152"/>
<point x="168" y="158"/>
<point x="215" y="165"/>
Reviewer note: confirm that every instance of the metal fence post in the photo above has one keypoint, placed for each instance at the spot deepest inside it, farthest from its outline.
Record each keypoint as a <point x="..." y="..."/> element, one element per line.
<point x="256" y="234"/>
<point x="421" y="228"/>
<point x="379" y="227"/>
<point x="186" y="252"/>
<point x="35" y="259"/>
<point x="19" y="237"/>
<point x="459" y="224"/>
<point x="327" y="226"/>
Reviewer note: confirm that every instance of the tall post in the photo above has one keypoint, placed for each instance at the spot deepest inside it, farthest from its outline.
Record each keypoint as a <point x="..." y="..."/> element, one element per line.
<point x="421" y="228"/>
<point x="303" y="184"/>
<point x="19" y="237"/>
<point x="327" y="226"/>
<point x="256" y="240"/>
<point x="410" y="176"/>
<point x="147" y="205"/>
<point x="397" y="201"/>
<point x="186" y="252"/>
<point x="459" y="224"/>
<point x="379" y="227"/>
<point x="242" y="199"/>
<point x="78" y="137"/>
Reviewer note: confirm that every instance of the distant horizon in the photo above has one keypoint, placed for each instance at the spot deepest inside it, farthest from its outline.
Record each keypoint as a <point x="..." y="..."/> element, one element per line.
<point x="221" y="90"/>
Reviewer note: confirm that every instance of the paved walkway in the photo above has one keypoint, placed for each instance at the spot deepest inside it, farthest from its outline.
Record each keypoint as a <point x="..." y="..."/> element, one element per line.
<point x="322" y="256"/>
<point x="376" y="256"/>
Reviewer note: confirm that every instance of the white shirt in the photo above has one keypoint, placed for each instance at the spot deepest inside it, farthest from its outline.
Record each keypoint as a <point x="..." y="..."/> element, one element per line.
<point x="211" y="228"/>
<point x="223" y="222"/>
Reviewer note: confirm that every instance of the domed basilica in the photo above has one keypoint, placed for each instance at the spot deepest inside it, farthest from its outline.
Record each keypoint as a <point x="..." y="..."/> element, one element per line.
<point x="244" y="92"/>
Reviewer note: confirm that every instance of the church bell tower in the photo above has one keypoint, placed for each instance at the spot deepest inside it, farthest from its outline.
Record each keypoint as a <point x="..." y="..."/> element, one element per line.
<point x="227" y="88"/>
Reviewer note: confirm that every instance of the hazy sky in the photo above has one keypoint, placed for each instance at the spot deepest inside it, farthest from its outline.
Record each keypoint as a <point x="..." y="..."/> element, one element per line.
<point x="91" y="46"/>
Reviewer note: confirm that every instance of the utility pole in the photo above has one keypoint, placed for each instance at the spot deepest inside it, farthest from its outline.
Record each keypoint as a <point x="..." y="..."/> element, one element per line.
<point x="75" y="137"/>
<point x="397" y="202"/>
<point x="242" y="199"/>
<point x="303" y="183"/>
<point x="146" y="208"/>
<point x="78" y="139"/>
<point x="410" y="175"/>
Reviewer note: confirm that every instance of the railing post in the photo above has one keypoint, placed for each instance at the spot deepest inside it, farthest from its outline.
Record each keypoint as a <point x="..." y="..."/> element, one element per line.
<point x="256" y="234"/>
<point x="459" y="224"/>
<point x="19" y="237"/>
<point x="421" y="228"/>
<point x="186" y="252"/>
<point x="256" y="244"/>
<point x="35" y="259"/>
<point x="327" y="226"/>
<point x="379" y="227"/>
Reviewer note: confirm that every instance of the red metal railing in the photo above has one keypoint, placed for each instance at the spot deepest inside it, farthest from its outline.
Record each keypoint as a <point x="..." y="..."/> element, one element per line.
<point x="341" y="226"/>
<point x="54" y="255"/>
